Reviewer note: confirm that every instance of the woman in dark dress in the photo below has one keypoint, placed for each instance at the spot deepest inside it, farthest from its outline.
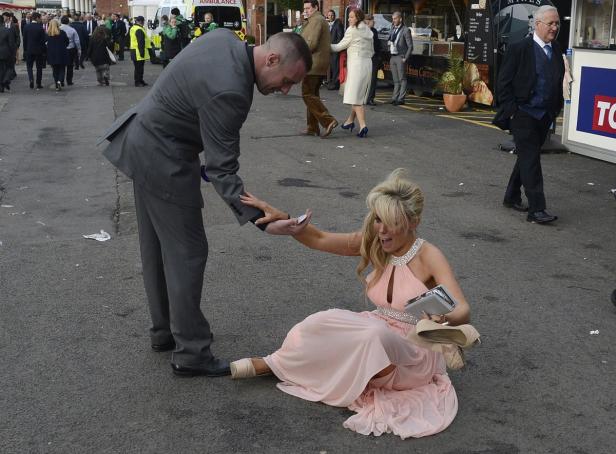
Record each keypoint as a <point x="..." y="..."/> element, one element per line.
<point x="57" y="53"/>
<point x="98" y="53"/>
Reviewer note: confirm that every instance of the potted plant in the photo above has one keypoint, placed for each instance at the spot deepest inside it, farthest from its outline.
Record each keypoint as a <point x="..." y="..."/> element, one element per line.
<point x="451" y="83"/>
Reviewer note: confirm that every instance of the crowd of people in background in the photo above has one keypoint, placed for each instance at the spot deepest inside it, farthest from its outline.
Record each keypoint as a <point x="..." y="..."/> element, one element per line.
<point x="351" y="56"/>
<point x="64" y="42"/>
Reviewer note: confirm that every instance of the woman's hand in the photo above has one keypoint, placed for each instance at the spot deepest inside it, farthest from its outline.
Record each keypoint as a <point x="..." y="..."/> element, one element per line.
<point x="271" y="214"/>
<point x="438" y="318"/>
<point x="289" y="226"/>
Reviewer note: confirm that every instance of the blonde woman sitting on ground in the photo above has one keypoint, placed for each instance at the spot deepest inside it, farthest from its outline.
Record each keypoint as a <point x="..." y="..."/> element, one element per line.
<point x="363" y="360"/>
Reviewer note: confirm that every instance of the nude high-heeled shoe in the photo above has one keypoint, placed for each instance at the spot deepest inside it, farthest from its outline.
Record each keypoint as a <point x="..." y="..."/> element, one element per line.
<point x="464" y="336"/>
<point x="243" y="368"/>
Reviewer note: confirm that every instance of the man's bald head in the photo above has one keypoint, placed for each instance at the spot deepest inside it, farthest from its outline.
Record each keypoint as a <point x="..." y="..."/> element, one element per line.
<point x="291" y="47"/>
<point x="281" y="62"/>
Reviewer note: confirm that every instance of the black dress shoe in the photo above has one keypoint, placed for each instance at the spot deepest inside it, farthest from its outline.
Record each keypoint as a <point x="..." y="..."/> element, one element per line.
<point x="540" y="217"/>
<point x="371" y="103"/>
<point x="31" y="84"/>
<point x="400" y="103"/>
<point x="164" y="347"/>
<point x="518" y="206"/>
<point x="215" y="368"/>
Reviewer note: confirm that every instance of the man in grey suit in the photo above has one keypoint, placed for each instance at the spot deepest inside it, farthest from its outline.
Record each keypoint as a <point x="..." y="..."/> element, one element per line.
<point x="400" y="47"/>
<point x="197" y="104"/>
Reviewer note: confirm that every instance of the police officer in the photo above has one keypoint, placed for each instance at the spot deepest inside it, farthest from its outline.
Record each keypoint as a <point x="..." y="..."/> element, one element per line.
<point x="139" y="45"/>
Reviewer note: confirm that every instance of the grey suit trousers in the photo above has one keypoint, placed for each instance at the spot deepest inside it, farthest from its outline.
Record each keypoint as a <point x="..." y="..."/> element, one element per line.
<point x="398" y="74"/>
<point x="173" y="253"/>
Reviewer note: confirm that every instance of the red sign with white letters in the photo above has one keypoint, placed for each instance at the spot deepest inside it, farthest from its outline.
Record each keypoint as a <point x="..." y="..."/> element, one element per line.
<point x="604" y="116"/>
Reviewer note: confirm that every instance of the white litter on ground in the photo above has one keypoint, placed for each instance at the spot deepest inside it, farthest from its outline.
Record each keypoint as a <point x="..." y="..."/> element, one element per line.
<point x="103" y="236"/>
<point x="594" y="332"/>
<point x="7" y="206"/>
<point x="340" y="146"/>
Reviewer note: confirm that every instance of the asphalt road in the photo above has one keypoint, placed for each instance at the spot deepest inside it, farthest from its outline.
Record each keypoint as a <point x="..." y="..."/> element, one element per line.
<point x="77" y="372"/>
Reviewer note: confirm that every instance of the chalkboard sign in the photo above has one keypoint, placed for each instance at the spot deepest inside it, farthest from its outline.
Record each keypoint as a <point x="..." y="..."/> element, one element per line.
<point x="479" y="44"/>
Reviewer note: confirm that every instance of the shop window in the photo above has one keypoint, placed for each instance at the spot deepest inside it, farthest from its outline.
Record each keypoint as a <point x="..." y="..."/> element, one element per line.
<point x="595" y="28"/>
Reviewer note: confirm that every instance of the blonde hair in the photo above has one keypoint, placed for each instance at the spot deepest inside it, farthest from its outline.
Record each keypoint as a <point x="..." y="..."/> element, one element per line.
<point x="398" y="203"/>
<point x="53" y="29"/>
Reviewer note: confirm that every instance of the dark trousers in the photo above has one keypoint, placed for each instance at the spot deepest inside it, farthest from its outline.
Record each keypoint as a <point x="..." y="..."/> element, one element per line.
<point x="39" y="60"/>
<point x="376" y="64"/>
<point x="316" y="113"/>
<point x="528" y="135"/>
<point x="334" y="71"/>
<point x="173" y="254"/>
<point x="139" y="65"/>
<point x="4" y="73"/>
<point x="73" y="61"/>
<point x="58" y="72"/>
<point x="120" y="42"/>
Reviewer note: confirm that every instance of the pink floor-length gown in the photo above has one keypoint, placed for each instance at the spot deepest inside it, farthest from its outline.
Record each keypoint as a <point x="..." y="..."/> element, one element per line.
<point x="332" y="357"/>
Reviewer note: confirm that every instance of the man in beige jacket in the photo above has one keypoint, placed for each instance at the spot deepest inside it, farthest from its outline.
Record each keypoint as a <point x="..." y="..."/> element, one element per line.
<point x="316" y="33"/>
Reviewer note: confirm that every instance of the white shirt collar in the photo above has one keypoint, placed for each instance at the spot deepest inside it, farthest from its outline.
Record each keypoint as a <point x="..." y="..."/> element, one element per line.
<point x="539" y="41"/>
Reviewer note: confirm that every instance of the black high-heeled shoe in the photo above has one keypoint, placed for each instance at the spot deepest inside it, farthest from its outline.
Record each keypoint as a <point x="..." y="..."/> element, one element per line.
<point x="350" y="126"/>
<point x="363" y="132"/>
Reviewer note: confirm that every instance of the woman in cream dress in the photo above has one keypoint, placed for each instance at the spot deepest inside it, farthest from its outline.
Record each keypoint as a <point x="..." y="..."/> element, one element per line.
<point x="363" y="360"/>
<point x="359" y="45"/>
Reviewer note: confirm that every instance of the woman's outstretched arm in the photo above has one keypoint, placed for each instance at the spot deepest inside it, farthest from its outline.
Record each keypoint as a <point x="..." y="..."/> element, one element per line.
<point x="334" y="243"/>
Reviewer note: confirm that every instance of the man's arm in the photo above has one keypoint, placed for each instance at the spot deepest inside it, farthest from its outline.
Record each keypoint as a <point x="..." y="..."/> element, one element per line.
<point x="221" y="119"/>
<point x="506" y="75"/>
<point x="409" y="43"/>
<point x="140" y="41"/>
<point x="311" y="37"/>
<point x="77" y="40"/>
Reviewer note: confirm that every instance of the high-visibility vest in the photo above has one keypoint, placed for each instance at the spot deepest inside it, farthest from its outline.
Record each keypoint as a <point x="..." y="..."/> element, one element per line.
<point x="133" y="42"/>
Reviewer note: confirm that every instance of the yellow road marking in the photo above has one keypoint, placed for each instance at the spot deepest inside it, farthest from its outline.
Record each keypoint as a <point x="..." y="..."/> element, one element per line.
<point x="410" y="108"/>
<point x="478" y="123"/>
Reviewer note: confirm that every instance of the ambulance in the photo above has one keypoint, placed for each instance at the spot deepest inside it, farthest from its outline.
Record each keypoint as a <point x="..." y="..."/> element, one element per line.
<point x="227" y="14"/>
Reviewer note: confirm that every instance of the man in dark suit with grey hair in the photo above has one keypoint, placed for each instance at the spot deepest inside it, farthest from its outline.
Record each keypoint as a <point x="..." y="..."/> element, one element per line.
<point x="530" y="96"/>
<point x="197" y="104"/>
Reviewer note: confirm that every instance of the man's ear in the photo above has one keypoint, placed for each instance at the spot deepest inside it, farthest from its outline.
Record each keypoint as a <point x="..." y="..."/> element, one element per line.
<point x="272" y="59"/>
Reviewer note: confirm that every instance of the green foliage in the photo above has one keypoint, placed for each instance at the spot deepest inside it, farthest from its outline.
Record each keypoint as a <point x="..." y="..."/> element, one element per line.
<point x="452" y="79"/>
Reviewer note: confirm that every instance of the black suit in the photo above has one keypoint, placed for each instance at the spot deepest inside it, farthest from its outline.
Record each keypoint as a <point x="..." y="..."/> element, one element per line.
<point x="336" y="33"/>
<point x="7" y="54"/>
<point x="517" y="82"/>
<point x="84" y="41"/>
<point x="118" y="32"/>
<point x="35" y="50"/>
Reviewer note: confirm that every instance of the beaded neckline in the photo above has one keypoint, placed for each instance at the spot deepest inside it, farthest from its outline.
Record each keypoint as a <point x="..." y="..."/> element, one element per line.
<point x="406" y="258"/>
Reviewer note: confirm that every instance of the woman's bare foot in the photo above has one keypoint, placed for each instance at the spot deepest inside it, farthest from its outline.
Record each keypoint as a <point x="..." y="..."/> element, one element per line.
<point x="261" y="367"/>
<point x="388" y="370"/>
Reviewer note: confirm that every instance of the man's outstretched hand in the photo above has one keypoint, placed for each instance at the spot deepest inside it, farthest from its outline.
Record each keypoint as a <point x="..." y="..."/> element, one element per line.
<point x="278" y="222"/>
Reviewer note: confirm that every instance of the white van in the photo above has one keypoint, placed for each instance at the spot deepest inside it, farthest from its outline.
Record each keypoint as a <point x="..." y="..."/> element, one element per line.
<point x="227" y="14"/>
<point x="164" y="9"/>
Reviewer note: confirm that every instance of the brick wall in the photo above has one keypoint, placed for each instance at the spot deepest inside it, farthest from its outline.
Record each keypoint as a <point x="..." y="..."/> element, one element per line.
<point x="107" y="7"/>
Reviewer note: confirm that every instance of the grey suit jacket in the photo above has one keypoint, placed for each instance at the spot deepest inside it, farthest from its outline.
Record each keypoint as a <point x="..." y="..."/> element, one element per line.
<point x="404" y="45"/>
<point x="199" y="102"/>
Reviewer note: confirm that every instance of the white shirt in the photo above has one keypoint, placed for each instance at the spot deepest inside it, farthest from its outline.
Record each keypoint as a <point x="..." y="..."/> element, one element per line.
<point x="541" y="43"/>
<point x="73" y="37"/>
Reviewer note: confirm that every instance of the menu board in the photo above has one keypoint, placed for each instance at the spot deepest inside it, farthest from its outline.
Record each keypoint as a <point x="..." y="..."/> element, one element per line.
<point x="479" y="45"/>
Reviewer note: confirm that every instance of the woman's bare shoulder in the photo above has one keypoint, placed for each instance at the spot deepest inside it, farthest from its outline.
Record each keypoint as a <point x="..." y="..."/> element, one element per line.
<point x="430" y="254"/>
